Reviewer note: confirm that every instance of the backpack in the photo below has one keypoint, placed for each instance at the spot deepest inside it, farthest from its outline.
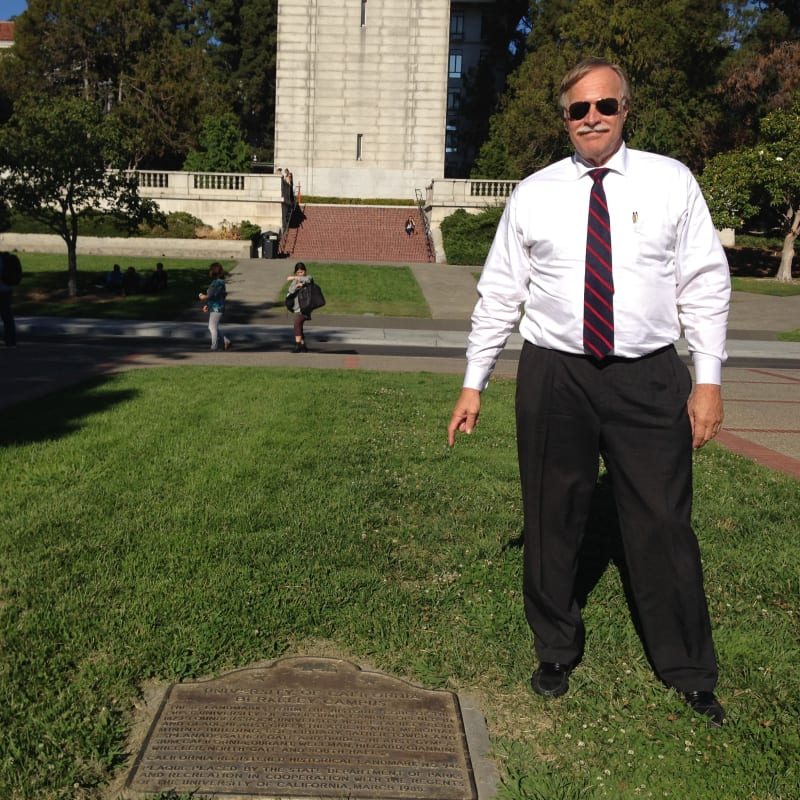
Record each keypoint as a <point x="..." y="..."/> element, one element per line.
<point x="11" y="273"/>
<point x="310" y="297"/>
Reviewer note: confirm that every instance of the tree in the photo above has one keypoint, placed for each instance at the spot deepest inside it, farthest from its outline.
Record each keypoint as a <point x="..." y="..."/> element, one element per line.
<point x="223" y="149"/>
<point x="672" y="51"/>
<point x="164" y="100"/>
<point x="59" y="159"/>
<point x="763" y="71"/>
<point x="81" y="46"/>
<point x="244" y="51"/>
<point x="743" y="184"/>
<point x="145" y="61"/>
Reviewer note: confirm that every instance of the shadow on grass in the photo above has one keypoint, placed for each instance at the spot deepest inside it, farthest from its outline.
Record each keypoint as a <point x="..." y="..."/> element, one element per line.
<point x="47" y="296"/>
<point x="43" y="420"/>
<point x="756" y="262"/>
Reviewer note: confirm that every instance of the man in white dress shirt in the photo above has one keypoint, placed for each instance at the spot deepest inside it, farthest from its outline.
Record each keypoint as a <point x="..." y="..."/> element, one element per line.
<point x="635" y="407"/>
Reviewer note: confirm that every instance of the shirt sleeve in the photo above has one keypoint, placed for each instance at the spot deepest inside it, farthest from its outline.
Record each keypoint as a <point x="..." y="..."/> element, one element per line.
<point x="502" y="288"/>
<point x="703" y="288"/>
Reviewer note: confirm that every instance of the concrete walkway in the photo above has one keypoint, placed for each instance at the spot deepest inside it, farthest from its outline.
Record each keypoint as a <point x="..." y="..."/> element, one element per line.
<point x="761" y="380"/>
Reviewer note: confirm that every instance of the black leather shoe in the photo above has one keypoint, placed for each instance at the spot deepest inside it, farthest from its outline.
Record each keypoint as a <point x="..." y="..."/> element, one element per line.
<point x="706" y="703"/>
<point x="551" y="679"/>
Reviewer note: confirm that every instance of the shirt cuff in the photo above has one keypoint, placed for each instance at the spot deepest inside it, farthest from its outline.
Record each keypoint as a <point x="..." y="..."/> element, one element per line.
<point x="476" y="378"/>
<point x="707" y="369"/>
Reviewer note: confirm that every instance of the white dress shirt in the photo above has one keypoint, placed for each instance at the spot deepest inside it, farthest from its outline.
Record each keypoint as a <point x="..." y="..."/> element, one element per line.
<point x="670" y="270"/>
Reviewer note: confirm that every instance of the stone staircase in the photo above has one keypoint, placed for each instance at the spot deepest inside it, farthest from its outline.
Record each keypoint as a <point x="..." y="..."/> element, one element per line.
<point x="356" y="233"/>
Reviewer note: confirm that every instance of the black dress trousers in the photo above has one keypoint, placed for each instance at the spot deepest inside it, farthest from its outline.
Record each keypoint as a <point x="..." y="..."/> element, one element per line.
<point x="570" y="411"/>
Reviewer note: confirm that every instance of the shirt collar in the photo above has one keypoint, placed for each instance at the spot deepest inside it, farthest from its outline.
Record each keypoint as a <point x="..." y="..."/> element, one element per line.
<point x="617" y="163"/>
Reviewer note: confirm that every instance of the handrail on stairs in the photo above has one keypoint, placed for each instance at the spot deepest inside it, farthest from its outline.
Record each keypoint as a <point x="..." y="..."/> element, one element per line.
<point x="426" y="224"/>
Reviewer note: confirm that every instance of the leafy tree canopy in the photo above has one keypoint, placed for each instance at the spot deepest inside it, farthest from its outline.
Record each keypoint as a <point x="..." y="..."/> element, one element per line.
<point x="161" y="66"/>
<point x="671" y="49"/>
<point x="223" y="149"/>
<point x="245" y="53"/>
<point x="61" y="159"/>
<point x="761" y="183"/>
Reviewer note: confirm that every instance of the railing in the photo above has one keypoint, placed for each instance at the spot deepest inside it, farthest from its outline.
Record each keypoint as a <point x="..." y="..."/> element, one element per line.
<point x="219" y="181"/>
<point x="216" y="197"/>
<point x="485" y="188"/>
<point x="427" y="225"/>
<point x="251" y="186"/>
<point x="286" y="224"/>
<point x="153" y="180"/>
<point x="469" y="193"/>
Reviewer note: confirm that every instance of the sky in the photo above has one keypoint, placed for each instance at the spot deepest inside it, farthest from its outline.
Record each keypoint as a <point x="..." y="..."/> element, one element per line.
<point x="10" y="8"/>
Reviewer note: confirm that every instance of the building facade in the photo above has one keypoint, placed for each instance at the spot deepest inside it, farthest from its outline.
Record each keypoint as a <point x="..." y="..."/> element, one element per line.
<point x="368" y="92"/>
<point x="6" y="34"/>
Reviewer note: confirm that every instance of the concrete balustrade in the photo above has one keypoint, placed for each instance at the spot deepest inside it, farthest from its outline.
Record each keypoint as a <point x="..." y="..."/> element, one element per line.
<point x="216" y="197"/>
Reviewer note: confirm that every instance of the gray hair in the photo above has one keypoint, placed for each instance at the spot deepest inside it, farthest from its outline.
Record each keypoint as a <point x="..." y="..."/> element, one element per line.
<point x="582" y="69"/>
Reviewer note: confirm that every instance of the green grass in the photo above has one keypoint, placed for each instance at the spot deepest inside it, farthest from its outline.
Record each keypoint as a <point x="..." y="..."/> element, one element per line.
<point x="790" y="336"/>
<point x="349" y="289"/>
<point x="43" y="291"/>
<point x="359" y="289"/>
<point x="765" y="286"/>
<point x="176" y="523"/>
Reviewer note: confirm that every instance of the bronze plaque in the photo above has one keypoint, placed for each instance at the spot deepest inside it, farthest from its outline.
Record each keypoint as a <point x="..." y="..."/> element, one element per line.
<point x="306" y="727"/>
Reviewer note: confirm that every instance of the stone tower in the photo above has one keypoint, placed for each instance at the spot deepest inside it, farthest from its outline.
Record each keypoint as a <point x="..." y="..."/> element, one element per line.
<point x="362" y="92"/>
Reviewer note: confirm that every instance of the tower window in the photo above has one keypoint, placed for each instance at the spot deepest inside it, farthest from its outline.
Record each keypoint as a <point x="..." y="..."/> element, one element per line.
<point x="359" y="146"/>
<point x="453" y="100"/>
<point x="457" y="25"/>
<point x="455" y="64"/>
<point x="363" y="13"/>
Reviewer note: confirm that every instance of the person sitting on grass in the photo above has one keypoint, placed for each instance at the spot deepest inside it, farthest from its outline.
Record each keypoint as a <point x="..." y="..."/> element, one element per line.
<point x="114" y="279"/>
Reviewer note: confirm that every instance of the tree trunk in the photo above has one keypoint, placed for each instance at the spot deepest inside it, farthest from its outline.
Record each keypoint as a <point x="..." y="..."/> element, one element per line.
<point x="72" y="268"/>
<point x="787" y="254"/>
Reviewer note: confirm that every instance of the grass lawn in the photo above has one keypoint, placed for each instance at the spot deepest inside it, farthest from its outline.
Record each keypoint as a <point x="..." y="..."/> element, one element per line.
<point x="765" y="286"/>
<point x="358" y="289"/>
<point x="349" y="289"/>
<point x="167" y="524"/>
<point x="43" y="291"/>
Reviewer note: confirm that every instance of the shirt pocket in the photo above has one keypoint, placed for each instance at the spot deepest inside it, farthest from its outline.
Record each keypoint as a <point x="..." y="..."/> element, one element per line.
<point x="646" y="238"/>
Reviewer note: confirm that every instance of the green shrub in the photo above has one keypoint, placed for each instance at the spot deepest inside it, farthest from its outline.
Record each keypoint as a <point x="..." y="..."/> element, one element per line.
<point x="468" y="237"/>
<point x="770" y="241"/>
<point x="22" y="223"/>
<point x="91" y="223"/>
<point x="179" y="225"/>
<point x="248" y="229"/>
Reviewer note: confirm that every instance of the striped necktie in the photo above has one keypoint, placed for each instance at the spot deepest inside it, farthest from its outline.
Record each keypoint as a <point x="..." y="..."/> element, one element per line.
<point x="598" y="295"/>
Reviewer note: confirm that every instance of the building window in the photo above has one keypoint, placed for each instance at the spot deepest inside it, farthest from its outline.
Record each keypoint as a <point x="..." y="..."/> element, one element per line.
<point x="453" y="100"/>
<point x="363" y="13"/>
<point x="451" y="139"/>
<point x="455" y="64"/>
<point x="359" y="146"/>
<point x="457" y="25"/>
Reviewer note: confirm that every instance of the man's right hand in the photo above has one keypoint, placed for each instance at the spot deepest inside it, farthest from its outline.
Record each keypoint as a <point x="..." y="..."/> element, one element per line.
<point x="465" y="414"/>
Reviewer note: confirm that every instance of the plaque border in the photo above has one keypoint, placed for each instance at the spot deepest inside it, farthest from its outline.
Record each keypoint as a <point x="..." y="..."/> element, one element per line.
<point x="461" y="732"/>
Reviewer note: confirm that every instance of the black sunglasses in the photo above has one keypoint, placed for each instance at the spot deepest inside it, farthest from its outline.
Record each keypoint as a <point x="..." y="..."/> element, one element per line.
<point x="608" y="107"/>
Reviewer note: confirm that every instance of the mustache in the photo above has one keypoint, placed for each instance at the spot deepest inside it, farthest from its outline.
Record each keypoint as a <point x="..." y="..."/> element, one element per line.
<point x="593" y="129"/>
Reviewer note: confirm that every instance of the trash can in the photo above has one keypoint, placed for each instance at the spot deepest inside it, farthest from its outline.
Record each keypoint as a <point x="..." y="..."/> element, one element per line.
<point x="255" y="244"/>
<point x="269" y="244"/>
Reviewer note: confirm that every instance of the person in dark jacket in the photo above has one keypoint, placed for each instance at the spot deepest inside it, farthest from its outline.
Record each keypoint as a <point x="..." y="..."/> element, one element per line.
<point x="299" y="279"/>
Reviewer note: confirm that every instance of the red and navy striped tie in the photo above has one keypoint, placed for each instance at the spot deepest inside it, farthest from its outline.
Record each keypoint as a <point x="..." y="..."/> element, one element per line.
<point x="598" y="295"/>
